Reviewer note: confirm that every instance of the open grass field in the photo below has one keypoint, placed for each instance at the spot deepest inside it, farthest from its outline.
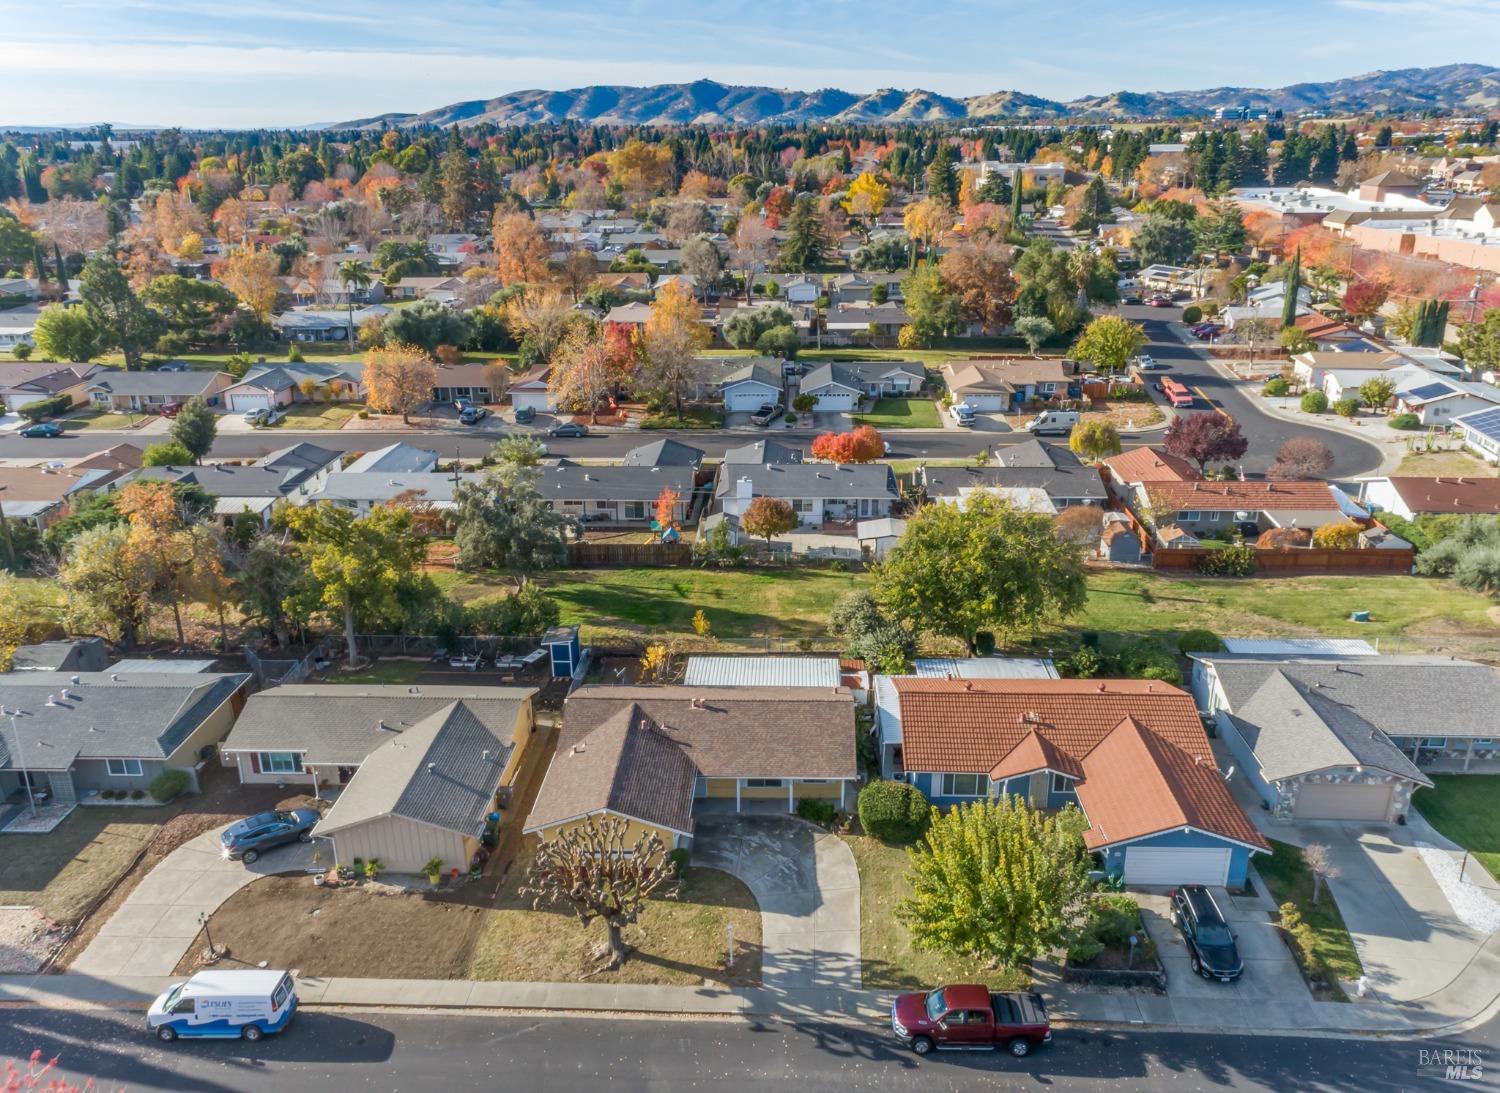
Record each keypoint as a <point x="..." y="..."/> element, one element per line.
<point x="1463" y="807"/>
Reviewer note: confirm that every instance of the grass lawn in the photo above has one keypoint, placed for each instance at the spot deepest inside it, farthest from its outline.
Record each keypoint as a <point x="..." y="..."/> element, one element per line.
<point x="1464" y="808"/>
<point x="385" y="670"/>
<point x="907" y="466"/>
<point x="319" y="415"/>
<point x="1420" y="464"/>
<point x="91" y="420"/>
<point x="901" y="413"/>
<point x="62" y="872"/>
<point x="889" y="961"/>
<point x="1289" y="880"/>
<point x="693" y="417"/>
<point x="676" y="941"/>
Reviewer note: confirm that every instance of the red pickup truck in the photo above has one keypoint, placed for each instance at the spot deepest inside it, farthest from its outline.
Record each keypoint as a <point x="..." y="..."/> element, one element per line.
<point x="970" y="1018"/>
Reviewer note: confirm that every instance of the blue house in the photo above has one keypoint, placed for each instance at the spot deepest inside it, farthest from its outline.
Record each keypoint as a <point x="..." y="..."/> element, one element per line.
<point x="1131" y="754"/>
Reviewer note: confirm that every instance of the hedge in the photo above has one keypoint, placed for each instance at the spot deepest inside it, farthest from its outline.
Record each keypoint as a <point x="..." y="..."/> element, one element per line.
<point x="1398" y="421"/>
<point x="1198" y="641"/>
<point x="44" y="408"/>
<point x="1275" y="387"/>
<point x="168" y="784"/>
<point x="1232" y="561"/>
<point x="1314" y="402"/>
<point x="893" y="812"/>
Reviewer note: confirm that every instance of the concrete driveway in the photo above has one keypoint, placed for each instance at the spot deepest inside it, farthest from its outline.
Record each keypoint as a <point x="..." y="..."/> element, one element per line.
<point x="807" y="885"/>
<point x="1409" y="940"/>
<point x="1271" y="975"/>
<point x="153" y="928"/>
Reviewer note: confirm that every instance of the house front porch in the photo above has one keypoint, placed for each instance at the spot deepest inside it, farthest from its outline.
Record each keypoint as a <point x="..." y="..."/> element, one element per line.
<point x="51" y="799"/>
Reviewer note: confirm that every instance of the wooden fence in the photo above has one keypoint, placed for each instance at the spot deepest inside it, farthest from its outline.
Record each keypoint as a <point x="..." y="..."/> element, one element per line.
<point x="1290" y="560"/>
<point x="593" y="555"/>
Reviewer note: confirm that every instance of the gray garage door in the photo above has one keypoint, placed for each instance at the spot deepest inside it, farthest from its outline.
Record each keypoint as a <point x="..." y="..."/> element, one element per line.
<point x="1343" y="802"/>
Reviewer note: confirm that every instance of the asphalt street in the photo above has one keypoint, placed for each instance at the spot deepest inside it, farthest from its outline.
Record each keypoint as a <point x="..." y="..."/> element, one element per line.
<point x="364" y="1050"/>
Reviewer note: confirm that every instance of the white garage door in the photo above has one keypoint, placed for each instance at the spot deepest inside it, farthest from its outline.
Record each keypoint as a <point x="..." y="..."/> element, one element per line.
<point x="540" y="401"/>
<point x="747" y="401"/>
<point x="1175" y="865"/>
<point x="239" y="403"/>
<point x="832" y="402"/>
<point x="1343" y="802"/>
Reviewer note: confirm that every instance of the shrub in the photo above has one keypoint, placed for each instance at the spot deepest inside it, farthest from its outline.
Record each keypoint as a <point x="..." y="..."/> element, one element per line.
<point x="1347" y="406"/>
<point x="1340" y="536"/>
<point x="434" y="869"/>
<point x="1275" y="387"/>
<point x="1405" y="421"/>
<point x="1150" y="660"/>
<point x="294" y="354"/>
<point x="107" y="794"/>
<point x="678" y="859"/>
<point x="168" y="784"/>
<point x="1284" y="537"/>
<point x="893" y="812"/>
<point x="804" y="403"/>
<point x="1108" y="925"/>
<point x="791" y="419"/>
<point x="1192" y="314"/>
<point x="1233" y="561"/>
<point x="22" y="351"/>
<point x="137" y="794"/>
<point x="1314" y="402"/>
<point x="815" y="811"/>
<point x="44" y="408"/>
<point x="1197" y="641"/>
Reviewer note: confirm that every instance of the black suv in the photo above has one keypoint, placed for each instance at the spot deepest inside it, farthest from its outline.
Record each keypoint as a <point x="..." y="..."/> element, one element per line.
<point x="1210" y="944"/>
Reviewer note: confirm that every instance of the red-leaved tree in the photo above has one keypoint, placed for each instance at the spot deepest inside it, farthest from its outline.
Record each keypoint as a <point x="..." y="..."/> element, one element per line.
<point x="860" y="445"/>
<point x="1205" y="438"/>
<point x="666" y="508"/>
<point x="1363" y="299"/>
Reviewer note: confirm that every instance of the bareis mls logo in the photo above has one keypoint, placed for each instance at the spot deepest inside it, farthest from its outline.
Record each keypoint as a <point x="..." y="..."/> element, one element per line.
<point x="1455" y="1064"/>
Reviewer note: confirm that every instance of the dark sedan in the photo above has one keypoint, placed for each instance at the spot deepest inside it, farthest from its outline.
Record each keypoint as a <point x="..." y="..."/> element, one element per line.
<point x="568" y="428"/>
<point x="43" y="428"/>
<point x="245" y="840"/>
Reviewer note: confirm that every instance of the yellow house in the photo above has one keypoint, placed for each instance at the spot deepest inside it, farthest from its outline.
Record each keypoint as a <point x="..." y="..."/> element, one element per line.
<point x="654" y="755"/>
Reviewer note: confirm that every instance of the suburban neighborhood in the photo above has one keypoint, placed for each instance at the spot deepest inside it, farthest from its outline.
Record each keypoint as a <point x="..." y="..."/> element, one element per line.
<point x="898" y="575"/>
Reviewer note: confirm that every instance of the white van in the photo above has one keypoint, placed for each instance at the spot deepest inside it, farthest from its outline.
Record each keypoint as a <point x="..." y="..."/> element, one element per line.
<point x="1060" y="422"/>
<point x="231" y="1004"/>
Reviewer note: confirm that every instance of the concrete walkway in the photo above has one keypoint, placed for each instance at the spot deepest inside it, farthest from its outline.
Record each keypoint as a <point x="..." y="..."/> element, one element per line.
<point x="153" y="928"/>
<point x="807" y="885"/>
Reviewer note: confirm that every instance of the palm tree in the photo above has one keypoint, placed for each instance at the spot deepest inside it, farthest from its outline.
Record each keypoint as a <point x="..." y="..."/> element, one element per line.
<point x="354" y="274"/>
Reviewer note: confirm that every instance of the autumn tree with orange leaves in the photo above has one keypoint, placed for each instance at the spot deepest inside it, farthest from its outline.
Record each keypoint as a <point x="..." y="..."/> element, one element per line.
<point x="860" y="445"/>
<point x="665" y="510"/>
<point x="520" y="251"/>
<point x="251" y="274"/>
<point x="398" y="379"/>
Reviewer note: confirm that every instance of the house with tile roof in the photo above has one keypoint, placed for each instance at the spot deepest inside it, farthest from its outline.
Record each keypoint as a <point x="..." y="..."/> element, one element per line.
<point x="656" y="756"/>
<point x="1201" y="507"/>
<point x="1131" y="754"/>
<point x="1408" y="496"/>
<point x="421" y="771"/>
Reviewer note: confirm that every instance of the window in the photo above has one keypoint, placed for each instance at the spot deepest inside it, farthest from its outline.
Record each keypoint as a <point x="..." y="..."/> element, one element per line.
<point x="1435" y="742"/>
<point x="1189" y="515"/>
<point x="801" y="505"/>
<point x="1061" y="783"/>
<point x="123" y="768"/>
<point x="1215" y="517"/>
<point x="280" y="762"/>
<point x="965" y="785"/>
<point x="763" y="783"/>
<point x="635" y="510"/>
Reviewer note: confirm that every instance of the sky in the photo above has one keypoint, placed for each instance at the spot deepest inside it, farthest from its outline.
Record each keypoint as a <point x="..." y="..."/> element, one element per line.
<point x="253" y="63"/>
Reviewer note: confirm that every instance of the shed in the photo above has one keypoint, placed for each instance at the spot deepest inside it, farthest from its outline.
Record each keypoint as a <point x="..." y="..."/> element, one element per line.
<point x="562" y="643"/>
<point x="797" y="671"/>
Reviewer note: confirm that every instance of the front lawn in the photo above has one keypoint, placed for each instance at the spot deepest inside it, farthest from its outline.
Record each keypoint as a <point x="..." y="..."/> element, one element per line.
<point x="889" y="960"/>
<point x="901" y="413"/>
<point x="62" y="872"/>
<point x="693" y="417"/>
<point x="1433" y="464"/>
<point x="317" y="415"/>
<point x="1290" y="881"/>
<point x="99" y="420"/>
<point x="1466" y="808"/>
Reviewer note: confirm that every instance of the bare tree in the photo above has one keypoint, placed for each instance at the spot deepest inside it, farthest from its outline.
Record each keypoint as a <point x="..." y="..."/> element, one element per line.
<point x="754" y="247"/>
<point x="1301" y="457"/>
<point x="591" y="870"/>
<point x="1319" y="862"/>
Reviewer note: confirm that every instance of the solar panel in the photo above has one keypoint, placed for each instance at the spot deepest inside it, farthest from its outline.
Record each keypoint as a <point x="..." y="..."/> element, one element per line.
<point x="1429" y="390"/>
<point x="1485" y="422"/>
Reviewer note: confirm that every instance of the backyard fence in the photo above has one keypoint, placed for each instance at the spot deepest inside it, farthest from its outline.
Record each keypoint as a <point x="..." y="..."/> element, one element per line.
<point x="601" y="555"/>
<point x="1274" y="561"/>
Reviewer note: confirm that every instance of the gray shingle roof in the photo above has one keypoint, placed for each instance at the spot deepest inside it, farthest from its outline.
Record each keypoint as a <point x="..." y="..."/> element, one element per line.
<point x="565" y="481"/>
<point x="764" y="451"/>
<point x="399" y="457"/>
<point x="337" y="724"/>
<point x="160" y="384"/>
<point x="664" y="453"/>
<point x="1076" y="482"/>
<point x="444" y="771"/>
<point x="759" y="370"/>
<point x="143" y="715"/>
<point x="812" y="480"/>
<point x="858" y="373"/>
<point x="830" y="374"/>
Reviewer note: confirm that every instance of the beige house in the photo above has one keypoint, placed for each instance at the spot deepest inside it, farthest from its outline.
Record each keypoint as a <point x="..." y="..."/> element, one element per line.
<point x="423" y="773"/>
<point x="655" y="755"/>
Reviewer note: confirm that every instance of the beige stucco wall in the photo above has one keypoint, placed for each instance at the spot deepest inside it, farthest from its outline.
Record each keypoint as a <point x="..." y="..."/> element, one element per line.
<point x="634" y="829"/>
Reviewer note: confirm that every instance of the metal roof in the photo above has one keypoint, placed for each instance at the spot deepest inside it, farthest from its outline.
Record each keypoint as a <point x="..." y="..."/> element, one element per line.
<point x="187" y="667"/>
<point x="1333" y="647"/>
<point x="705" y="671"/>
<point x="986" y="667"/>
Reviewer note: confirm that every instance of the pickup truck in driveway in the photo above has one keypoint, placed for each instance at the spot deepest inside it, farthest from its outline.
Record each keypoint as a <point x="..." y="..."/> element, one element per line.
<point x="970" y="1018"/>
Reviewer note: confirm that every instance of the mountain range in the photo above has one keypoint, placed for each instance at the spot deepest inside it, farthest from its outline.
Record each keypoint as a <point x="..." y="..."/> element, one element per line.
<point x="1448" y="89"/>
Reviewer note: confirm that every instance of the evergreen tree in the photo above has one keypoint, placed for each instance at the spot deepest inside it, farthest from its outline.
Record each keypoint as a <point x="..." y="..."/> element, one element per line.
<point x="1293" y="284"/>
<point x="942" y="178"/>
<point x="62" y="268"/>
<point x="806" y="245"/>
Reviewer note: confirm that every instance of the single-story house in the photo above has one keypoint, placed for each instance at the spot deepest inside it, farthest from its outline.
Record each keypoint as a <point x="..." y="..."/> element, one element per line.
<point x="1031" y="465"/>
<point x="76" y="733"/>
<point x="880" y="323"/>
<point x="19" y="288"/>
<point x="801" y="289"/>
<point x="444" y="289"/>
<point x="267" y="386"/>
<point x="18" y="327"/>
<point x="995" y="386"/>
<point x="422" y="769"/>
<point x="479" y="383"/>
<point x="839" y="387"/>
<point x="28" y="381"/>
<point x="762" y="451"/>
<point x="857" y="288"/>
<point x="817" y="492"/>
<point x="1334" y="737"/>
<point x="1410" y="497"/>
<point x="361" y="491"/>
<point x="1196" y="507"/>
<point x="1481" y="433"/>
<point x="532" y="391"/>
<point x="1312" y="368"/>
<point x="330" y="290"/>
<point x="752" y="386"/>
<point x="1131" y="754"/>
<point x="1440" y="401"/>
<point x="664" y="453"/>
<point x="707" y="376"/>
<point x="633" y="316"/>
<point x="289" y="474"/>
<point x="40" y="495"/>
<point x="332" y="325"/>
<point x="653" y="756"/>
<point x="69" y="655"/>
<point x="149" y="391"/>
<point x="836" y="389"/>
<point x="397" y="458"/>
<point x="614" y="494"/>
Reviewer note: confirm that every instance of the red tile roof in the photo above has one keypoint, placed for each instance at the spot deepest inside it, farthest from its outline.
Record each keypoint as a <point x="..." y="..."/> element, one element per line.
<point x="1151" y="465"/>
<point x="1276" y="496"/>
<point x="1158" y="774"/>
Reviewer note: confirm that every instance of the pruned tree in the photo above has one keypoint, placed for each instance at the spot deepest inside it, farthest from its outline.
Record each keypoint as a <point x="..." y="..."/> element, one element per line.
<point x="997" y="881"/>
<point x="591" y="869"/>
<point x="1319" y="861"/>
<point x="1301" y="457"/>
<point x="503" y="521"/>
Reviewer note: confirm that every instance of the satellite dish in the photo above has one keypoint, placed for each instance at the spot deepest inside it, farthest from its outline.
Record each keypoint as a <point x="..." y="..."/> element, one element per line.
<point x="1242" y="515"/>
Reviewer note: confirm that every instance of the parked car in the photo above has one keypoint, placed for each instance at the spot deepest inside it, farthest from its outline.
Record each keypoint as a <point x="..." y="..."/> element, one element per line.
<point x="1204" y="331"/>
<point x="963" y="414"/>
<point x="462" y="404"/>
<point x="970" y="1018"/>
<point x="245" y="840"/>
<point x="1147" y="363"/>
<point x="170" y="409"/>
<point x="1053" y="422"/>
<point x="174" y="366"/>
<point x="260" y="415"/>
<point x="43" y="428"/>
<point x="1131" y="298"/>
<point x="473" y="415"/>
<point x="1211" y="948"/>
<point x="231" y="1003"/>
<point x="525" y="415"/>
<point x="1159" y="301"/>
<point x="568" y="428"/>
<point x="767" y="413"/>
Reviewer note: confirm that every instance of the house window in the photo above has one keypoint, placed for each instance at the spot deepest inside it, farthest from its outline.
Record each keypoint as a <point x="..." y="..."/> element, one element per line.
<point x="763" y="783"/>
<point x="1215" y="517"/>
<point x="123" y="768"/>
<point x="1061" y="783"/>
<point x="1189" y="516"/>
<point x="635" y="510"/>
<point x="801" y="505"/>
<point x="965" y="785"/>
<point x="1435" y="742"/>
<point x="601" y="504"/>
<point x="280" y="762"/>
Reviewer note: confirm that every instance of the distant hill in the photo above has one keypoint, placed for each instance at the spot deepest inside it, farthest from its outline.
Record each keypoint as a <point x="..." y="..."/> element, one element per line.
<point x="1458" y="89"/>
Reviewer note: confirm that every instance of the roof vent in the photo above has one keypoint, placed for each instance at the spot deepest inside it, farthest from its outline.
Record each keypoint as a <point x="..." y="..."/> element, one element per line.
<point x="1101" y="688"/>
<point x="968" y="684"/>
<point x="577" y="749"/>
<point x="431" y="767"/>
<point x="413" y="690"/>
<point x="699" y="704"/>
<point x="75" y="680"/>
<point x="485" y="755"/>
<point x="52" y="700"/>
<point x="66" y="697"/>
<point x="114" y="677"/>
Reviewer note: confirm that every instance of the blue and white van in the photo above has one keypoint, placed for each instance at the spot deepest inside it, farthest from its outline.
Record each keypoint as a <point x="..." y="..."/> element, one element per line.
<point x="231" y="1004"/>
